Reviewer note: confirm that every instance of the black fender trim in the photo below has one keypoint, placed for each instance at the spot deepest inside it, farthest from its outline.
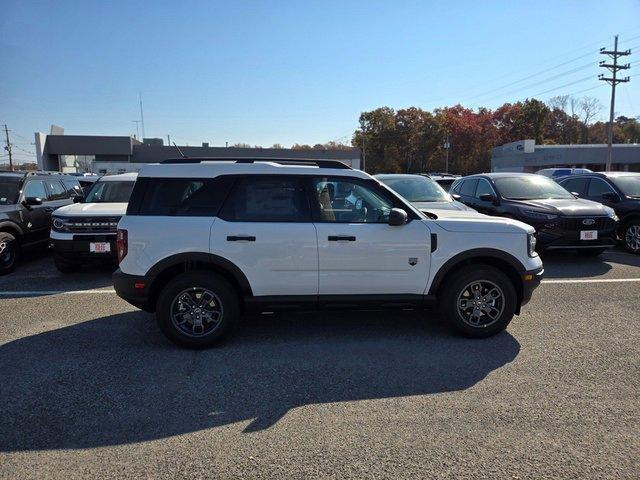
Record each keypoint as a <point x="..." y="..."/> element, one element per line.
<point x="9" y="225"/>
<point x="476" y="253"/>
<point x="203" y="258"/>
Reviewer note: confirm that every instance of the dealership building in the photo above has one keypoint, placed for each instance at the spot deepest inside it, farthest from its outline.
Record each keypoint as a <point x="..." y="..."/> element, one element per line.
<point x="526" y="156"/>
<point x="113" y="154"/>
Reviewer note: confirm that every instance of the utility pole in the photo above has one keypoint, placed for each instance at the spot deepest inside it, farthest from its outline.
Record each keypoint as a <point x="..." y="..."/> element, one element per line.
<point x="8" y="147"/>
<point x="168" y="139"/>
<point x="613" y="81"/>
<point x="142" y="117"/>
<point x="364" y="153"/>
<point x="447" y="146"/>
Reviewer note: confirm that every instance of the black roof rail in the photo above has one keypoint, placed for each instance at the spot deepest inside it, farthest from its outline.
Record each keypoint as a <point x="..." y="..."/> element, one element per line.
<point x="283" y="161"/>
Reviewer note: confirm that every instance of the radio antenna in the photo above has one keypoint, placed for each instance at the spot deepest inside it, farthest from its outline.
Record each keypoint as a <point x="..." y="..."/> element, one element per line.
<point x="183" y="155"/>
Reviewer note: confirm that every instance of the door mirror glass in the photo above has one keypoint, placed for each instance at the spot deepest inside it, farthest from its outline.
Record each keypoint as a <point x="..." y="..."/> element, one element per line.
<point x="611" y="197"/>
<point x="32" y="201"/>
<point x="397" y="217"/>
<point x="487" y="197"/>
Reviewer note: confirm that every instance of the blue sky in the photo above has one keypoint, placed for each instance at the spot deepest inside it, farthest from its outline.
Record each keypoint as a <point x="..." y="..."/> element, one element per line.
<point x="292" y="71"/>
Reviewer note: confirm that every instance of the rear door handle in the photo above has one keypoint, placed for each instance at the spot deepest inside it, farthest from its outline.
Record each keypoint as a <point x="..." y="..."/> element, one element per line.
<point x="338" y="238"/>
<point x="241" y="238"/>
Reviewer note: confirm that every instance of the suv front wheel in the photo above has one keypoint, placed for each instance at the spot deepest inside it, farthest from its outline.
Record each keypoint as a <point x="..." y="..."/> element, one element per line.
<point x="9" y="252"/>
<point x="196" y="309"/>
<point x="479" y="300"/>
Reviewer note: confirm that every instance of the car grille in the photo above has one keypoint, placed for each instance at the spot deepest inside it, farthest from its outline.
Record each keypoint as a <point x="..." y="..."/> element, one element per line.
<point x="90" y="225"/>
<point x="575" y="224"/>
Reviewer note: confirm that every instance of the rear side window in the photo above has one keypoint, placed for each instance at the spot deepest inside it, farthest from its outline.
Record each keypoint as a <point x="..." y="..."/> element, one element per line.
<point x="189" y="197"/>
<point x="267" y="199"/>
<point x="577" y="185"/>
<point x="73" y="186"/>
<point x="484" y="187"/>
<point x="469" y="187"/>
<point x="597" y="187"/>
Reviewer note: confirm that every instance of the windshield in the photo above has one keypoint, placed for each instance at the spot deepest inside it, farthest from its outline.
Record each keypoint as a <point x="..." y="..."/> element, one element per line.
<point x="534" y="187"/>
<point x="630" y="185"/>
<point x="9" y="192"/>
<point x="109" y="192"/>
<point x="417" y="189"/>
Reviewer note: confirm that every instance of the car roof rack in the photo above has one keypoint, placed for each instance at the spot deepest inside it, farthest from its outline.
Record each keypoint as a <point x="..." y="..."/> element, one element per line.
<point x="282" y="161"/>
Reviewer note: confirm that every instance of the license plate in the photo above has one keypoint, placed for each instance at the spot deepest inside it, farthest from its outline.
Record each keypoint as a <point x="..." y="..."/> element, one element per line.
<point x="589" y="235"/>
<point x="99" y="247"/>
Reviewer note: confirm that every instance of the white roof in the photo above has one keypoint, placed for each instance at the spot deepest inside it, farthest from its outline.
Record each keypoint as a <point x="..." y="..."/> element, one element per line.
<point x="131" y="176"/>
<point x="216" y="168"/>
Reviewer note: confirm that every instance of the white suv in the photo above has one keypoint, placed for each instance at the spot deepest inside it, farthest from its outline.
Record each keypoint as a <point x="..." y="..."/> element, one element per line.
<point x="205" y="240"/>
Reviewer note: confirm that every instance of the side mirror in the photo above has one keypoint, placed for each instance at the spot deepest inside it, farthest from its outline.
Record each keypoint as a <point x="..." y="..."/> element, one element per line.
<point x="32" y="201"/>
<point x="456" y="196"/>
<point x="611" y="197"/>
<point x="77" y="198"/>
<point x="397" y="217"/>
<point x="488" y="197"/>
<point x="575" y="194"/>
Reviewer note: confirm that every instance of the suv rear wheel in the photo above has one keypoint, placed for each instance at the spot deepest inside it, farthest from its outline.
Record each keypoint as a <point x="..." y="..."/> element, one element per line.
<point x="479" y="301"/>
<point x="9" y="252"/>
<point x="196" y="309"/>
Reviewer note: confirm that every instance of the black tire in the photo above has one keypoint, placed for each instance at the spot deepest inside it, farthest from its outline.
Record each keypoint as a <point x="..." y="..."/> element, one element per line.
<point x="64" y="266"/>
<point x="170" y="302"/>
<point x="503" y="309"/>
<point x="591" y="252"/>
<point x="627" y="235"/>
<point x="9" y="253"/>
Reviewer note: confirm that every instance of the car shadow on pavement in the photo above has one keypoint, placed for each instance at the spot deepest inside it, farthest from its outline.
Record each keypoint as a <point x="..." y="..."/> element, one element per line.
<point x="116" y="380"/>
<point x="567" y="264"/>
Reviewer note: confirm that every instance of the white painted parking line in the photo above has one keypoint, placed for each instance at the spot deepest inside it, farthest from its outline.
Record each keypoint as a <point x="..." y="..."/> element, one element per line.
<point x="592" y="280"/>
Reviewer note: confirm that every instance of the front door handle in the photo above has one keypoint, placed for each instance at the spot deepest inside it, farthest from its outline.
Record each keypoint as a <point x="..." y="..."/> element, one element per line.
<point x="241" y="238"/>
<point x="338" y="238"/>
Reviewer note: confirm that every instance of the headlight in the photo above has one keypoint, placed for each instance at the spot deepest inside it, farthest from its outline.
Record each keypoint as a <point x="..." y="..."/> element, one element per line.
<point x="531" y="244"/>
<point x="611" y="213"/>
<point x="539" y="215"/>
<point x="58" y="224"/>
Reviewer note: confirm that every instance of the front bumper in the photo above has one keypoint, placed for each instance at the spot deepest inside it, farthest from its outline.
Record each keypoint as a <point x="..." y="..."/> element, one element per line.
<point x="530" y="281"/>
<point x="565" y="233"/>
<point x="134" y="289"/>
<point x="77" y="249"/>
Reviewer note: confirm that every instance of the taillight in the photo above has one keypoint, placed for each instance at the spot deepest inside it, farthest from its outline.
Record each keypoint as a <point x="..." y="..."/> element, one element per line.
<point x="122" y="244"/>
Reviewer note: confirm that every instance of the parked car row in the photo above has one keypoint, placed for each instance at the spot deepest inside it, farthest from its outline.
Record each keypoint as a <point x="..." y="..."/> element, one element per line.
<point x="82" y="228"/>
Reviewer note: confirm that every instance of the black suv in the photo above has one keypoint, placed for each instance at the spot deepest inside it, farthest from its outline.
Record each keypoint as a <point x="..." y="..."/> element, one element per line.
<point x="26" y="203"/>
<point x="618" y="190"/>
<point x="561" y="220"/>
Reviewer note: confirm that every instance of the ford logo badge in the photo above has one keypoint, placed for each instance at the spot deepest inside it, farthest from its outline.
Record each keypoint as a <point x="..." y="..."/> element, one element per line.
<point x="588" y="221"/>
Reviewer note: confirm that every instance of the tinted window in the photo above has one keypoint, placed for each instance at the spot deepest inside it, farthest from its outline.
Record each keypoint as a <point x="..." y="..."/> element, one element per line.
<point x="597" y="187"/>
<point x="110" y="192"/>
<point x="35" y="188"/>
<point x="469" y="187"/>
<point x="578" y="185"/>
<point x="267" y="199"/>
<point x="484" y="187"/>
<point x="56" y="190"/>
<point x="184" y="196"/>
<point x="73" y="187"/>
<point x="343" y="200"/>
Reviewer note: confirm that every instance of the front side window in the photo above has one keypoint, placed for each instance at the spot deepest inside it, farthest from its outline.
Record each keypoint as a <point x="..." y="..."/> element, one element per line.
<point x="417" y="189"/>
<point x="267" y="199"/>
<point x="348" y="201"/>
<point x="183" y="196"/>
<point x="530" y="187"/>
<point x="35" y="188"/>
<point x="484" y="187"/>
<point x="110" y="192"/>
<point x="56" y="190"/>
<point x="597" y="187"/>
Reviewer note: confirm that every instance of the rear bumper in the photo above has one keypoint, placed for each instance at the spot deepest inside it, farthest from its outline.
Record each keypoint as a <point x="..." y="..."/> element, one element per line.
<point x="530" y="281"/>
<point x="134" y="289"/>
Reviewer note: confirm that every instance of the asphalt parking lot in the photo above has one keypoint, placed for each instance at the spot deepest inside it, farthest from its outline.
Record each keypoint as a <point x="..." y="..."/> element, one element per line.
<point x="90" y="388"/>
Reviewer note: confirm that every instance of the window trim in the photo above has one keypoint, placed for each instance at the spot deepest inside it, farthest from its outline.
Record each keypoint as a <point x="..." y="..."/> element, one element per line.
<point x="236" y="182"/>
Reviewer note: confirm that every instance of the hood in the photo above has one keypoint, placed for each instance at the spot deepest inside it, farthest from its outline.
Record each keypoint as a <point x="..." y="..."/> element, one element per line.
<point x="564" y="206"/>
<point x="92" y="209"/>
<point x="474" y="222"/>
<point x="446" y="205"/>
